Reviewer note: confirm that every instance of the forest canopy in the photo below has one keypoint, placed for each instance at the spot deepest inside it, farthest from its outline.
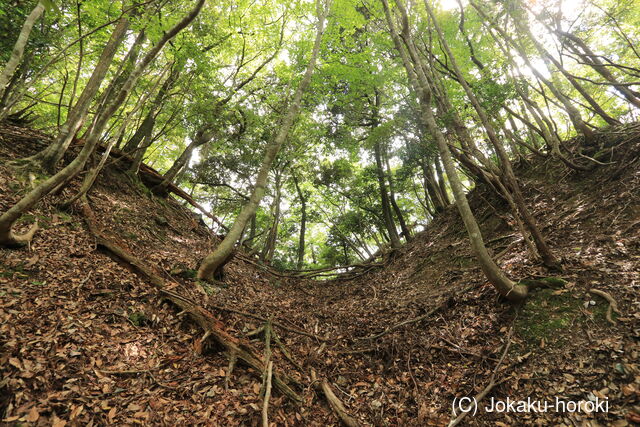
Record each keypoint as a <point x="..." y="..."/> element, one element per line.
<point x="325" y="133"/>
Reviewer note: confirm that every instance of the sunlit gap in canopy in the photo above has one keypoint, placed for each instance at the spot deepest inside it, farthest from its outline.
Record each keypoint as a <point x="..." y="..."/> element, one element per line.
<point x="450" y="4"/>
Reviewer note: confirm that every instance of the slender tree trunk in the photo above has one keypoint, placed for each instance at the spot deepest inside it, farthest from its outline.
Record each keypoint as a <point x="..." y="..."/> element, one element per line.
<point x="78" y="66"/>
<point x="203" y="136"/>
<point x="442" y="187"/>
<point x="50" y="156"/>
<point x="142" y="138"/>
<point x="8" y="218"/>
<point x="272" y="237"/>
<point x="387" y="216"/>
<point x="303" y="223"/>
<point x="215" y="260"/>
<point x="494" y="274"/>
<point x="18" y="50"/>
<point x="392" y="198"/>
<point x="432" y="191"/>
<point x="546" y="126"/>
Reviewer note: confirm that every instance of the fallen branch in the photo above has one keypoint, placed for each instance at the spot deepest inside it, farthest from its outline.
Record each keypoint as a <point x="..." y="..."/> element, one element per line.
<point x="208" y="322"/>
<point x="613" y="304"/>
<point x="267" y="396"/>
<point x="335" y="403"/>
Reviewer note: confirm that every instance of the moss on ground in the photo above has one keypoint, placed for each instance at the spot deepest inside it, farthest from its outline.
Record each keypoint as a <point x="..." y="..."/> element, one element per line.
<point x="554" y="316"/>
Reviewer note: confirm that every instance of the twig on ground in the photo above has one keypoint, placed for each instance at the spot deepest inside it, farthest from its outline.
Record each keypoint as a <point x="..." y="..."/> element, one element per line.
<point x="267" y="396"/>
<point x="335" y="403"/>
<point x="490" y="386"/>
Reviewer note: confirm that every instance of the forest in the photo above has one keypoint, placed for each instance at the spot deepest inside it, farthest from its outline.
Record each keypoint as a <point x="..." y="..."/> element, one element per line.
<point x="320" y="212"/>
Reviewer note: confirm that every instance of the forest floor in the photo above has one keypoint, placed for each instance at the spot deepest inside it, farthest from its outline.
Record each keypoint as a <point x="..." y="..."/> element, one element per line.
<point x="85" y="340"/>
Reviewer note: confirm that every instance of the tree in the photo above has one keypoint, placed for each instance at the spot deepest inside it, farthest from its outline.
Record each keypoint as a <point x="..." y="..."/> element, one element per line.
<point x="18" y="49"/>
<point x="213" y="262"/>
<point x="420" y="84"/>
<point x="8" y="218"/>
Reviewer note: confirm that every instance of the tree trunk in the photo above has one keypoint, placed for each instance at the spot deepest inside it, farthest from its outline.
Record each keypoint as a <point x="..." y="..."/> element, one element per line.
<point x="494" y="274"/>
<point x="392" y="198"/>
<point x="203" y="136"/>
<point x="215" y="260"/>
<point x="18" y="50"/>
<point x="442" y="187"/>
<point x="50" y="156"/>
<point x="141" y="140"/>
<point x="8" y="218"/>
<point x="387" y="216"/>
<point x="272" y="237"/>
<point x="303" y="223"/>
<point x="432" y="192"/>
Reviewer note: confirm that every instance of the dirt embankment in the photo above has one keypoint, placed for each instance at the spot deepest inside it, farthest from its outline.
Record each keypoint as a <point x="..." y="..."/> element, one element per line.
<point x="86" y="340"/>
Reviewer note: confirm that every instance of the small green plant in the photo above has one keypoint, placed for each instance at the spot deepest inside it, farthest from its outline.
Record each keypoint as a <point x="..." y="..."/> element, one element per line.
<point x="138" y="318"/>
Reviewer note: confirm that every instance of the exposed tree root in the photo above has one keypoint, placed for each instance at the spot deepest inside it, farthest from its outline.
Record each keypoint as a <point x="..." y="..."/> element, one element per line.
<point x="267" y="396"/>
<point x="8" y="238"/>
<point x="335" y="403"/>
<point x="416" y="319"/>
<point x="267" y="356"/>
<point x="211" y="325"/>
<point x="284" y="351"/>
<point x="11" y="240"/>
<point x="233" y="358"/>
<point x="613" y="304"/>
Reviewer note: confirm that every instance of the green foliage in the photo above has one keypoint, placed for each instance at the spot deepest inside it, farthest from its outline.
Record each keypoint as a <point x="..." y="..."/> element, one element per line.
<point x="239" y="63"/>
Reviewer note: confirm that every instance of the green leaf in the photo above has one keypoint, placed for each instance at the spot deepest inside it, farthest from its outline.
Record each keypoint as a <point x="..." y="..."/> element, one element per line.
<point x="50" y="6"/>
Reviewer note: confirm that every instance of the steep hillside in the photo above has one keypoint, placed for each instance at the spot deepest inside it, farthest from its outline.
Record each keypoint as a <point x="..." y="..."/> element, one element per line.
<point x="89" y="340"/>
